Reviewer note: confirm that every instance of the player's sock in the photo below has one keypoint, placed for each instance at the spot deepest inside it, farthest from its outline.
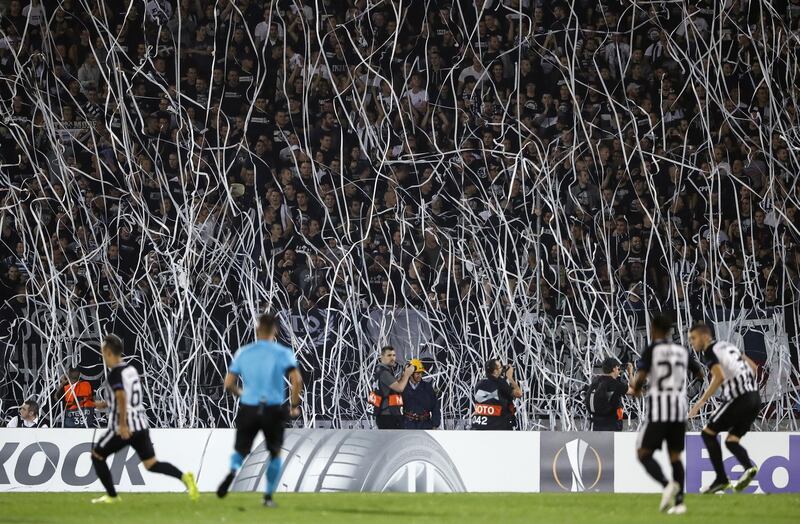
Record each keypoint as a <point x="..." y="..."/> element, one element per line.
<point x="678" y="475"/>
<point x="273" y="474"/>
<point x="740" y="453"/>
<point x="104" y="474"/>
<point x="653" y="469"/>
<point x="715" y="454"/>
<point x="165" y="468"/>
<point x="236" y="461"/>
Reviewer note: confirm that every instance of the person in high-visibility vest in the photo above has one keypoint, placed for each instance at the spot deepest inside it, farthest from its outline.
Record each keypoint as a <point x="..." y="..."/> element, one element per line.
<point x="78" y="397"/>
<point x="386" y="395"/>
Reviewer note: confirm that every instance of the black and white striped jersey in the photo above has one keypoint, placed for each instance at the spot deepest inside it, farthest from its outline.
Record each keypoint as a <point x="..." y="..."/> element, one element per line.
<point x="125" y="377"/>
<point x="737" y="373"/>
<point x="667" y="366"/>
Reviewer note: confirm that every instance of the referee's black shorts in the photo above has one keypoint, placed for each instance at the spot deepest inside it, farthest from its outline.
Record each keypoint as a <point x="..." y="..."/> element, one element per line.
<point x="655" y="433"/>
<point x="140" y="441"/>
<point x="736" y="416"/>
<point x="252" y="419"/>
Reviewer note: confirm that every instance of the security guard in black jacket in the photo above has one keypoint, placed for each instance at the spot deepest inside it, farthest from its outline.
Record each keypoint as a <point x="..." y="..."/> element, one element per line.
<point x="494" y="398"/>
<point x="386" y="396"/>
<point x="420" y="404"/>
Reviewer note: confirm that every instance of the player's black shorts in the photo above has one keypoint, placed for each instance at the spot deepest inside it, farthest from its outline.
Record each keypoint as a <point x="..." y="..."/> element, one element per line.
<point x="140" y="441"/>
<point x="252" y="419"/>
<point x="655" y="433"/>
<point x="736" y="416"/>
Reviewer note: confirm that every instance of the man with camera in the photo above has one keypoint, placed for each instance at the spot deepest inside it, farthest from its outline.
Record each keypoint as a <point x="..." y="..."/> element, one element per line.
<point x="604" y="396"/>
<point x="494" y="398"/>
<point x="386" y="395"/>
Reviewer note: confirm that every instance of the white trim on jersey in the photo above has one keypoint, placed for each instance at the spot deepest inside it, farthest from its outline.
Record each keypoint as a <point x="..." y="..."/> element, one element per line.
<point x="640" y="435"/>
<point x="105" y="439"/>
<point x="720" y="411"/>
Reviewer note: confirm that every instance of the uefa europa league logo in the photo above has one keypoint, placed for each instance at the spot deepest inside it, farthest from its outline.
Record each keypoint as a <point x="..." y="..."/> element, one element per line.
<point x="576" y="453"/>
<point x="577" y="462"/>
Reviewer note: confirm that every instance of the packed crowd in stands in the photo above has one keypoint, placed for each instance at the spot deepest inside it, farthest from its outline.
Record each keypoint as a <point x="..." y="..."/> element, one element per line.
<point x="479" y="161"/>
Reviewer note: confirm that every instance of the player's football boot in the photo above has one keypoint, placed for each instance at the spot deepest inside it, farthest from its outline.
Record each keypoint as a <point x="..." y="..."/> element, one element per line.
<point x="222" y="490"/>
<point x="680" y="509"/>
<point x="671" y="491"/>
<point x="268" y="502"/>
<point x="107" y="499"/>
<point x="745" y="479"/>
<point x="191" y="485"/>
<point x="718" y="486"/>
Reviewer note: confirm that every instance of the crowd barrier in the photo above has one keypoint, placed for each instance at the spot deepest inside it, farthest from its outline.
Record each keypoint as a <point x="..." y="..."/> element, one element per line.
<point x="319" y="460"/>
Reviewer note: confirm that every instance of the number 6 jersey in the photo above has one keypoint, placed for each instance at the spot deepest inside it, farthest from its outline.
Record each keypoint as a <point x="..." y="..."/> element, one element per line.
<point x="667" y="367"/>
<point x="124" y="377"/>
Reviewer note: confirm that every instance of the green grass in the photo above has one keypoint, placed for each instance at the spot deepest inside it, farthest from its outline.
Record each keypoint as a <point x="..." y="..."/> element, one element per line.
<point x="157" y="508"/>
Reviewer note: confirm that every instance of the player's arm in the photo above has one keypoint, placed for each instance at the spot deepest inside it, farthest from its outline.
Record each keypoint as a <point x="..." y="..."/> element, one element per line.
<point x="232" y="377"/>
<point x="100" y="404"/>
<point x="716" y="381"/>
<point x="400" y="384"/>
<point x="232" y="384"/>
<point x="750" y="363"/>
<point x="296" y="381"/>
<point x="296" y="386"/>
<point x="120" y="399"/>
<point x="122" y="413"/>
<point x="638" y="383"/>
<point x="695" y="368"/>
<point x="641" y="374"/>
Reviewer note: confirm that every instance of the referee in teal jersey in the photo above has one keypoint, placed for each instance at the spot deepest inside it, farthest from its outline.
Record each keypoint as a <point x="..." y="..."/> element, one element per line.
<point x="264" y="367"/>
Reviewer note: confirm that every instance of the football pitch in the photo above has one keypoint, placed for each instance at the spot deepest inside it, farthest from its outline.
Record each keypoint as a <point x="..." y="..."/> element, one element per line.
<point x="356" y="507"/>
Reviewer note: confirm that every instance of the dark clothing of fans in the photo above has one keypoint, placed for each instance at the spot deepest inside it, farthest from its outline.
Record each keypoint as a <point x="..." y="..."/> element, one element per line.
<point x="420" y="406"/>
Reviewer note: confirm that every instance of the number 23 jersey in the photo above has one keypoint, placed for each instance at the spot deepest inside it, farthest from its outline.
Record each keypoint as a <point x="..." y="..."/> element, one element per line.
<point x="124" y="377"/>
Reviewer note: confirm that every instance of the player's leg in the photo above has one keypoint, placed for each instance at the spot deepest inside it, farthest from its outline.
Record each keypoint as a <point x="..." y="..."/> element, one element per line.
<point x="247" y="427"/>
<point x="721" y="482"/>
<point x="747" y="415"/>
<point x="108" y="444"/>
<point x="676" y="437"/>
<point x="140" y="441"/>
<point x="274" y="425"/>
<point x="720" y="421"/>
<point x="649" y="440"/>
<point x="670" y="489"/>
<point x="651" y="466"/>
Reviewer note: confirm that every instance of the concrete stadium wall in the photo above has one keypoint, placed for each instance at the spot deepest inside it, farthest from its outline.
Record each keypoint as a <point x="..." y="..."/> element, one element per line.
<point x="318" y="460"/>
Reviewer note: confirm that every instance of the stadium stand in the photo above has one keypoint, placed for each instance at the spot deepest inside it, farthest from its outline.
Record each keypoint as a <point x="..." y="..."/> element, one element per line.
<point x="518" y="179"/>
